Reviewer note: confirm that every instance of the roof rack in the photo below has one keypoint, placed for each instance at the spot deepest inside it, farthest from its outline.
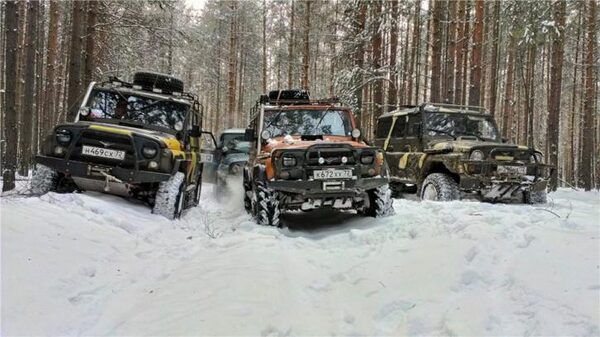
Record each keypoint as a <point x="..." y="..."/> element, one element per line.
<point x="463" y="108"/>
<point x="116" y="82"/>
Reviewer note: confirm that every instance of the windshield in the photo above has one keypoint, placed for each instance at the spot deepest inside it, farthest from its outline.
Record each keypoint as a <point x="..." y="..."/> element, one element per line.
<point x="127" y="107"/>
<point x="456" y="125"/>
<point x="235" y="142"/>
<point x="308" y="122"/>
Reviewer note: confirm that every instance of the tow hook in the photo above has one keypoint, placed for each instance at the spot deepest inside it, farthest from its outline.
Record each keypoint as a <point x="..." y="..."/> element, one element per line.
<point x="109" y="178"/>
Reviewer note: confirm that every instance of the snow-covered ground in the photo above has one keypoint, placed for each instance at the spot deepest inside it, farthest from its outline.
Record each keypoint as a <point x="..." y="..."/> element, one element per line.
<point x="93" y="264"/>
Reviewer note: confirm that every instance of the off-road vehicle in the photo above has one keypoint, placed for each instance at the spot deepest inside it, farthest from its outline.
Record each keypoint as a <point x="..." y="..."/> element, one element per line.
<point x="445" y="151"/>
<point x="308" y="154"/>
<point x="142" y="139"/>
<point x="230" y="158"/>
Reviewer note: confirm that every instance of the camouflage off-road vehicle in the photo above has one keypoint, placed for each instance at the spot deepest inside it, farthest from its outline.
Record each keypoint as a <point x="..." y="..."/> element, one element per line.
<point x="442" y="151"/>
<point x="142" y="139"/>
<point x="307" y="155"/>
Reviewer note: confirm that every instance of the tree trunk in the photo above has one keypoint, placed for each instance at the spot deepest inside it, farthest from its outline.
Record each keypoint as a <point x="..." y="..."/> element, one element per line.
<point x="393" y="87"/>
<point x="495" y="55"/>
<point x="573" y="154"/>
<point x="74" y="91"/>
<point x="508" y="93"/>
<point x="555" y="87"/>
<point x="51" y="83"/>
<point x="377" y="57"/>
<point x="231" y="107"/>
<point x="450" y="53"/>
<point x="590" y="99"/>
<point x="359" y="58"/>
<point x="460" y="50"/>
<point x="436" y="50"/>
<point x="90" y="42"/>
<point x="306" y="49"/>
<point x="29" y="86"/>
<point x="475" y="81"/>
<point x="11" y="22"/>
<point x="416" y="45"/>
<point x="291" y="57"/>
<point x="264" y="47"/>
<point x="529" y="94"/>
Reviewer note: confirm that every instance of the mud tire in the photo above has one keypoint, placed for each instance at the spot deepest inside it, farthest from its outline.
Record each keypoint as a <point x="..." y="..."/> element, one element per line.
<point x="535" y="197"/>
<point x="439" y="187"/>
<point x="268" y="209"/>
<point x="380" y="202"/>
<point x="168" y="201"/>
<point x="44" y="180"/>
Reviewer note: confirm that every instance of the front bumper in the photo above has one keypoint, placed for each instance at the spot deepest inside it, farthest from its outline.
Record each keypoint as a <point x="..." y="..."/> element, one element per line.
<point x="484" y="176"/>
<point x="327" y="188"/>
<point x="95" y="171"/>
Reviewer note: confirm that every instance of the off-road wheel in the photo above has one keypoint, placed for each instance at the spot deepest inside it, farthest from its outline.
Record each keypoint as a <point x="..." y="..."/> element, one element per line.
<point x="379" y="203"/>
<point x="170" y="197"/>
<point x="535" y="197"/>
<point x="247" y="195"/>
<point x="439" y="187"/>
<point x="44" y="180"/>
<point x="268" y="209"/>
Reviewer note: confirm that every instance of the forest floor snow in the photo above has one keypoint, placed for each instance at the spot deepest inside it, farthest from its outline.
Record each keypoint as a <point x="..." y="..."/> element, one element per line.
<point x="94" y="264"/>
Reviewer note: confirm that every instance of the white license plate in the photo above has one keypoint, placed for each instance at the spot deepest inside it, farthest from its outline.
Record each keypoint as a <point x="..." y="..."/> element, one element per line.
<point x="332" y="174"/>
<point x="101" y="152"/>
<point x="503" y="169"/>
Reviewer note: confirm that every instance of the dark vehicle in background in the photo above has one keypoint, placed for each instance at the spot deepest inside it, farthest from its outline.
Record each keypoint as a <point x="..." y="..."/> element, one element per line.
<point x="441" y="151"/>
<point x="142" y="139"/>
<point x="231" y="157"/>
<point x="308" y="154"/>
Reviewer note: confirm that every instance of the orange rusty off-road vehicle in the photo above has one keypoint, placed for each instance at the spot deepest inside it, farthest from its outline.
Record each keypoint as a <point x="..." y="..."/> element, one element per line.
<point x="308" y="154"/>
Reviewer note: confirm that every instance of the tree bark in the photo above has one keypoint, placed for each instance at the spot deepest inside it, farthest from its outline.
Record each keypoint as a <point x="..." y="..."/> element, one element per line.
<point x="475" y="81"/>
<point x="450" y="53"/>
<point x="231" y="94"/>
<point x="377" y="57"/>
<point x="460" y="50"/>
<point x="264" y="47"/>
<point x="590" y="99"/>
<point x="508" y="92"/>
<point x="291" y="57"/>
<point x="436" y="50"/>
<point x="51" y="83"/>
<point x="416" y="37"/>
<point x="555" y="87"/>
<point x="393" y="87"/>
<point x="11" y="21"/>
<point x="359" y="58"/>
<point x="306" y="49"/>
<point x="496" y="38"/>
<point x="90" y="40"/>
<point x="74" y="91"/>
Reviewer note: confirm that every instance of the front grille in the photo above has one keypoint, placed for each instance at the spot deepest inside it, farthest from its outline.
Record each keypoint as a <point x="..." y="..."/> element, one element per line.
<point x="332" y="156"/>
<point x="107" y="141"/>
<point x="505" y="154"/>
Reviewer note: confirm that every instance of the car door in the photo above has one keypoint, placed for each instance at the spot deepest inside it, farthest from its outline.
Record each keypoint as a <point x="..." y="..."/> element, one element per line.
<point x="414" y="155"/>
<point x="395" y="146"/>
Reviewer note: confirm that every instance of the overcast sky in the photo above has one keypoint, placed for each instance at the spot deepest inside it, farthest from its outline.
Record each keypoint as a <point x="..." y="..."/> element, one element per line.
<point x="196" y="4"/>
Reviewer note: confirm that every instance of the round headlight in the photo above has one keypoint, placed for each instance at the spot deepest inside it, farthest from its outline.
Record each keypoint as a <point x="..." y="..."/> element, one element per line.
<point x="476" y="155"/>
<point x="178" y="126"/>
<point x="355" y="133"/>
<point x="344" y="160"/>
<point x="265" y="135"/>
<point x="289" y="161"/>
<point x="321" y="160"/>
<point x="149" y="152"/>
<point x="63" y="136"/>
<point x="367" y="159"/>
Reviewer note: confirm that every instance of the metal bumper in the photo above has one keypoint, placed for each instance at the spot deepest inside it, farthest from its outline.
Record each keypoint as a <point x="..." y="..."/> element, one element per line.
<point x="327" y="188"/>
<point x="94" y="171"/>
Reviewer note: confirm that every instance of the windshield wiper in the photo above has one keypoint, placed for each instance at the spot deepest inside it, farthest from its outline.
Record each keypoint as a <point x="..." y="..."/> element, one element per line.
<point x="148" y="106"/>
<point x="474" y="134"/>
<point x="443" y="131"/>
<point x="321" y="120"/>
<point x="275" y="119"/>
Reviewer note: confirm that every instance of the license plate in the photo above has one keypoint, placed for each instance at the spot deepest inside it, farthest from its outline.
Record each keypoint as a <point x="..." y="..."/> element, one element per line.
<point x="101" y="152"/>
<point x="503" y="169"/>
<point x="332" y="174"/>
<point x="206" y="158"/>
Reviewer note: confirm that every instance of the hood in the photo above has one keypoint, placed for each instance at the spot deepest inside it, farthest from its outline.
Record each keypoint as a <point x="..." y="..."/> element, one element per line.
<point x="295" y="142"/>
<point x="466" y="145"/>
<point x="168" y="139"/>
<point x="236" y="157"/>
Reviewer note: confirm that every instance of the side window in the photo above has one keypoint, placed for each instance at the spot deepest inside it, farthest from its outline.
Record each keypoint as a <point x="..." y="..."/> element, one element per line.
<point x="383" y="127"/>
<point x="400" y="127"/>
<point x="414" y="125"/>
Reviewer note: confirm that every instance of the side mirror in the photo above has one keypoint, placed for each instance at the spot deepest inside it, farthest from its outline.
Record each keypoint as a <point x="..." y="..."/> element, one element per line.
<point x="249" y="135"/>
<point x="195" y="131"/>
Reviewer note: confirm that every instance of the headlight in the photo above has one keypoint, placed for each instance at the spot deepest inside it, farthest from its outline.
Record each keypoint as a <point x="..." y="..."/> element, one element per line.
<point x="265" y="135"/>
<point x="63" y="137"/>
<point x="84" y="111"/>
<point x="149" y="151"/>
<point x="289" y="161"/>
<point x="367" y="158"/>
<point x="476" y="155"/>
<point x="355" y="133"/>
<point x="178" y="126"/>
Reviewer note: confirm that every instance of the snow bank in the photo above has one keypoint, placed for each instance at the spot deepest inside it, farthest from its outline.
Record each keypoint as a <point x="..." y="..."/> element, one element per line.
<point x="93" y="264"/>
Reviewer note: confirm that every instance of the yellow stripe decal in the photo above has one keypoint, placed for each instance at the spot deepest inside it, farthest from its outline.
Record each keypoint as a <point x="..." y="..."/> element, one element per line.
<point x="172" y="144"/>
<point x="403" y="160"/>
<point x="387" y="140"/>
<point x="422" y="160"/>
<point x="110" y="129"/>
<point x="504" y="158"/>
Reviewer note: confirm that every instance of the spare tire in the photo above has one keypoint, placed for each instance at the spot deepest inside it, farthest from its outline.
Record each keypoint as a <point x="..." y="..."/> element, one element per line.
<point x="151" y="80"/>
